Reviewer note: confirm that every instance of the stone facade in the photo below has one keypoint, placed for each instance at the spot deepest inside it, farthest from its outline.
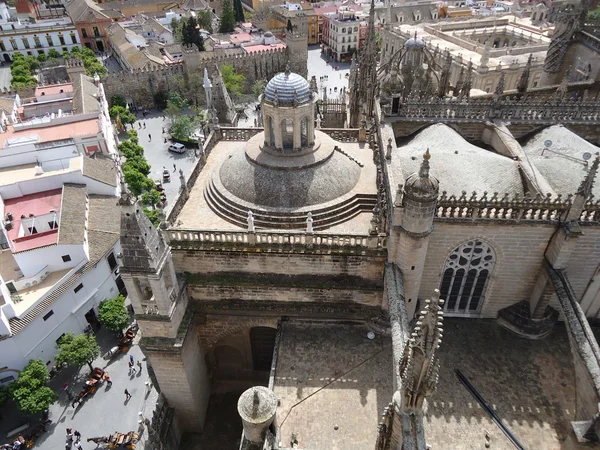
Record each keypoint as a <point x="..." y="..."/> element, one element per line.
<point x="141" y="86"/>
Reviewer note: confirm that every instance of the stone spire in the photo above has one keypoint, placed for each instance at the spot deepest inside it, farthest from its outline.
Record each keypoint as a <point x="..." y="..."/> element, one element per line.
<point x="468" y="84"/>
<point x="207" y="90"/>
<point x="524" y="80"/>
<point x="369" y="82"/>
<point x="444" y="85"/>
<point x="459" y="83"/>
<point x="584" y="193"/>
<point x="485" y="55"/>
<point x="418" y="365"/>
<point x="562" y="89"/>
<point x="499" y="87"/>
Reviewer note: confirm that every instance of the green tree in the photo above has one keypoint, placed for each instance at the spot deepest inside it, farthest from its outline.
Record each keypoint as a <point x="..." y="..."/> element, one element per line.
<point x="191" y="33"/>
<point x="234" y="82"/>
<point x="151" y="198"/>
<point x="183" y="127"/>
<point x="160" y="99"/>
<point x="124" y="114"/>
<point x="177" y="100"/>
<point x="31" y="391"/>
<point x="595" y="14"/>
<point x="204" y="19"/>
<point x="113" y="313"/>
<point x="177" y="29"/>
<point x="258" y="87"/>
<point x="54" y="54"/>
<point x="239" y="10"/>
<point x="77" y="349"/>
<point x="227" y="17"/>
<point x="153" y="215"/>
<point x="118" y="100"/>
<point x="136" y="181"/>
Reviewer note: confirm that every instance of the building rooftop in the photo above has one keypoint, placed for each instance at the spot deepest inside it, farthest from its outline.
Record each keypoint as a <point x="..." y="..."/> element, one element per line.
<point x="562" y="164"/>
<point x="457" y="164"/>
<point x="71" y="230"/>
<point x="26" y="208"/>
<point x="103" y="234"/>
<point x="15" y="174"/>
<point x="47" y="133"/>
<point x="261" y="47"/>
<point x="529" y="383"/>
<point x="332" y="399"/>
<point x="54" y="89"/>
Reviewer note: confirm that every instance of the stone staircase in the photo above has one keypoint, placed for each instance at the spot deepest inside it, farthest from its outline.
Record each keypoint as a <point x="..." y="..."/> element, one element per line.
<point x="325" y="217"/>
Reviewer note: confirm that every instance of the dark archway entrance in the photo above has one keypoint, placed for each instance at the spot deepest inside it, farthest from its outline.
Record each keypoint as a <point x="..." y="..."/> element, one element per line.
<point x="262" y="341"/>
<point x="6" y="57"/>
<point x="100" y="46"/>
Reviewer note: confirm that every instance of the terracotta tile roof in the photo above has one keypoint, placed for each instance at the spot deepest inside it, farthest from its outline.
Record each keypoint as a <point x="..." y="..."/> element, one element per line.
<point x="6" y="104"/>
<point x="71" y="229"/>
<point x="84" y="10"/>
<point x="103" y="233"/>
<point x="100" y="168"/>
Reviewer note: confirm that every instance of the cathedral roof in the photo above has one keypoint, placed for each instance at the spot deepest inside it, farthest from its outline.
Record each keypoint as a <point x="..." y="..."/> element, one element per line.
<point x="285" y="87"/>
<point x="457" y="164"/>
<point x="562" y="165"/>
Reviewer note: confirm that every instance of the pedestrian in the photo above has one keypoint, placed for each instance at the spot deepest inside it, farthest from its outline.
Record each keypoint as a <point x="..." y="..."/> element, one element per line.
<point x="127" y="395"/>
<point x="131" y="356"/>
<point x="77" y="444"/>
<point x="132" y="370"/>
<point x="145" y="122"/>
<point x="139" y="364"/>
<point x="107" y="379"/>
<point x="163" y="130"/>
<point x="69" y="434"/>
<point x="174" y="167"/>
<point x="149" y="136"/>
<point x="77" y="435"/>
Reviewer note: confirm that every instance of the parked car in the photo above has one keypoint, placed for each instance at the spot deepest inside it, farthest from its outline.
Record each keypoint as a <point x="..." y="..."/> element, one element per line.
<point x="177" y="148"/>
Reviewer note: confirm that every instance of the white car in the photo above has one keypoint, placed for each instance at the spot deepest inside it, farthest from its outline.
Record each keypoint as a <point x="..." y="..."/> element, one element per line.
<point x="177" y="148"/>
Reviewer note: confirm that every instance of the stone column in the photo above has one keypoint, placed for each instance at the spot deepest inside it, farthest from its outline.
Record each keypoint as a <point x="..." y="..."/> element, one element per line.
<point x="268" y="136"/>
<point x="297" y="133"/>
<point x="277" y="124"/>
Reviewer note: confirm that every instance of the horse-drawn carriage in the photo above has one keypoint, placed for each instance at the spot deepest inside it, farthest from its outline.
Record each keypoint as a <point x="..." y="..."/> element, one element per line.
<point x="124" y="343"/>
<point x="90" y="386"/>
<point x="117" y="440"/>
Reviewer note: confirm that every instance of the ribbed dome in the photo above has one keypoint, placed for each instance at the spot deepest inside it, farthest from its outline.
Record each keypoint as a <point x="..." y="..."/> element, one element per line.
<point x="286" y="87"/>
<point x="414" y="43"/>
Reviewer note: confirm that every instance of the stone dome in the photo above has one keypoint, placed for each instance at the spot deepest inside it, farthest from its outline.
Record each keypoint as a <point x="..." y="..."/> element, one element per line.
<point x="286" y="87"/>
<point x="414" y="43"/>
<point x="269" y="181"/>
<point x="268" y="34"/>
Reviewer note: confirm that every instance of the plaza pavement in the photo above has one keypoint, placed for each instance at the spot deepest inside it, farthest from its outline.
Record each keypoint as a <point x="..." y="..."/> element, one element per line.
<point x="100" y="414"/>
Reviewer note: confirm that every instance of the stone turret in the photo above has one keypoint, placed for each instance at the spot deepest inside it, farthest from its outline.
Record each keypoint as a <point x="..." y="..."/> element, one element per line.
<point x="257" y="407"/>
<point x="159" y="303"/>
<point x="413" y="223"/>
<point x="297" y="52"/>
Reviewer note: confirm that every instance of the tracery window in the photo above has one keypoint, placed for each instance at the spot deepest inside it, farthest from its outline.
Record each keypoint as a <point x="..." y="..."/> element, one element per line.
<point x="465" y="277"/>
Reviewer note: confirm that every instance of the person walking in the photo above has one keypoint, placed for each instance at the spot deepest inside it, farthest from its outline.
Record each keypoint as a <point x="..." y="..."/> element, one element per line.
<point x="77" y="435"/>
<point x="174" y="167"/>
<point x="131" y="356"/>
<point x="107" y="379"/>
<point x="77" y="444"/>
<point x="145" y="122"/>
<point x="139" y="364"/>
<point x="150" y="137"/>
<point x="127" y="395"/>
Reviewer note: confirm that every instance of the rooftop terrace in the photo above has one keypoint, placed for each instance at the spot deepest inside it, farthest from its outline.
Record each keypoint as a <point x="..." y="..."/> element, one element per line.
<point x="42" y="130"/>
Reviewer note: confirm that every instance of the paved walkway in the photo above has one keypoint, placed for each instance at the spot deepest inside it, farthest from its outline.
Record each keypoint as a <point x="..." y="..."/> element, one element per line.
<point x="102" y="413"/>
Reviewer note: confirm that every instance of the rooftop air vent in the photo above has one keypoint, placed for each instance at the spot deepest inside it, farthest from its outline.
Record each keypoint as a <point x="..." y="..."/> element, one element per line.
<point x="31" y="215"/>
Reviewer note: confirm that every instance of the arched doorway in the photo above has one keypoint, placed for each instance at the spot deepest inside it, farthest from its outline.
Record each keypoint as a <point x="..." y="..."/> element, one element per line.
<point x="271" y="129"/>
<point x="465" y="277"/>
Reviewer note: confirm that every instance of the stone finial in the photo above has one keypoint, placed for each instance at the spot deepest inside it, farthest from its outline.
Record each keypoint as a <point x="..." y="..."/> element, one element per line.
<point x="250" y="221"/>
<point x="309" y="223"/>
<point x="585" y="188"/>
<point x="500" y="86"/>
<point x="424" y="170"/>
<point x="287" y="69"/>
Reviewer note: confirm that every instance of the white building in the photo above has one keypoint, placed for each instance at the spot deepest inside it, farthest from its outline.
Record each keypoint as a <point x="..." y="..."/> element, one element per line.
<point x="34" y="37"/>
<point x="341" y="32"/>
<point x="59" y="233"/>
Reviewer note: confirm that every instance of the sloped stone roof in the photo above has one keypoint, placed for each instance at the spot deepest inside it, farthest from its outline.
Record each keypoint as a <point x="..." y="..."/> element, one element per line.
<point x="141" y="244"/>
<point x="100" y="168"/>
<point x="562" y="165"/>
<point x="457" y="164"/>
<point x="71" y="229"/>
<point x="84" y="94"/>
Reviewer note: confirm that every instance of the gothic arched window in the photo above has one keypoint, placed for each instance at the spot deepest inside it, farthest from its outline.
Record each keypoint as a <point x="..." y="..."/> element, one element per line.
<point x="465" y="277"/>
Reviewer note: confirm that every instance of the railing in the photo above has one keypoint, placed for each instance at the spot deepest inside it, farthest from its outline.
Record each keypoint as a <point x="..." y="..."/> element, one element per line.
<point x="516" y="209"/>
<point x="276" y="238"/>
<point x="239" y="134"/>
<point x="342" y="134"/>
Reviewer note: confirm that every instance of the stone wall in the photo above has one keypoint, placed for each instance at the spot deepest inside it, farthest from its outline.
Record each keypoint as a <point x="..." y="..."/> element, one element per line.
<point x="369" y="268"/>
<point x="519" y="255"/>
<point x="583" y="264"/>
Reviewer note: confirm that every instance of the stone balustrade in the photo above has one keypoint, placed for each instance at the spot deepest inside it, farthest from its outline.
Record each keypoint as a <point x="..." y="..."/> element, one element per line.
<point x="342" y="134"/>
<point x="238" y="134"/>
<point x="517" y="209"/>
<point x="273" y="238"/>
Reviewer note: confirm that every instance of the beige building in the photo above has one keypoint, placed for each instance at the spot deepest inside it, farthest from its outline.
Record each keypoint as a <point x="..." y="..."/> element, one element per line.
<point x="491" y="47"/>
